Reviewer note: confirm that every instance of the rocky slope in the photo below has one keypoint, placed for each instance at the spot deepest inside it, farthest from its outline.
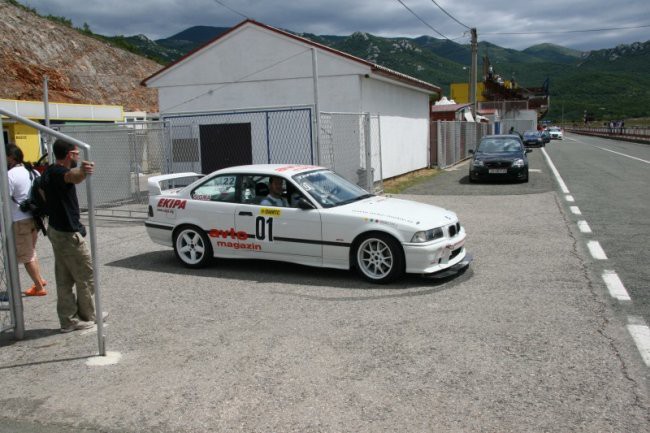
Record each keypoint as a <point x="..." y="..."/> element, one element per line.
<point x="80" y="69"/>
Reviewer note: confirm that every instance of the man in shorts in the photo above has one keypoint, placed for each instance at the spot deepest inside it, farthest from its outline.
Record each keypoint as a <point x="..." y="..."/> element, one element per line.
<point x="25" y="230"/>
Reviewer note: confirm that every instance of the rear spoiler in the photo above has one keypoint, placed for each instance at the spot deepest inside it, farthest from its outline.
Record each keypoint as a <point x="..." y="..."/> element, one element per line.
<point x="153" y="183"/>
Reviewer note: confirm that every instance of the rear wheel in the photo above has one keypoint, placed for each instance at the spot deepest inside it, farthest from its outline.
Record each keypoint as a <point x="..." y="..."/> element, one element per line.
<point x="192" y="247"/>
<point x="379" y="258"/>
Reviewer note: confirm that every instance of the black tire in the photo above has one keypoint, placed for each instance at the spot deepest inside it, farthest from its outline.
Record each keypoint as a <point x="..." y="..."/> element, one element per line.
<point x="192" y="246"/>
<point x="378" y="258"/>
<point x="525" y="180"/>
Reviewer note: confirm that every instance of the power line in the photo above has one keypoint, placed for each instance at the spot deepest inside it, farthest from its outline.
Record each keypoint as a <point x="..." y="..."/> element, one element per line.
<point x="567" y="31"/>
<point x="423" y="22"/>
<point x="449" y="15"/>
<point x="231" y="9"/>
<point x="238" y="80"/>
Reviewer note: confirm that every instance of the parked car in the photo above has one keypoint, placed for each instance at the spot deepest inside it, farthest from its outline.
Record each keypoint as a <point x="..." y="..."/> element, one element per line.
<point x="556" y="133"/>
<point x="329" y="223"/>
<point x="533" y="139"/>
<point x="499" y="157"/>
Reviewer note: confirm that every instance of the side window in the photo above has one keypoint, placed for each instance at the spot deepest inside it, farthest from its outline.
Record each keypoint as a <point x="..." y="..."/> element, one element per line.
<point x="221" y="188"/>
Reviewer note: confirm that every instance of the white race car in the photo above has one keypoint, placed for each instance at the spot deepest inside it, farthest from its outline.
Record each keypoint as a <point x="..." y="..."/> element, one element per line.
<point x="329" y="222"/>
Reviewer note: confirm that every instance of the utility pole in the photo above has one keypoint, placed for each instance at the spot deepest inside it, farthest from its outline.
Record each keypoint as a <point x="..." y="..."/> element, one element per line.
<point x="472" y="84"/>
<point x="46" y="105"/>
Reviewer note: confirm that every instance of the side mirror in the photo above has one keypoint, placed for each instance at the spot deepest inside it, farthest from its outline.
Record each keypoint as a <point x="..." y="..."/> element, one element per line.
<point x="304" y="204"/>
<point x="471" y="151"/>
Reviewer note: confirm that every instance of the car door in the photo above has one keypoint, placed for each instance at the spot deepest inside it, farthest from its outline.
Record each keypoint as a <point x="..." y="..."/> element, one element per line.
<point x="212" y="208"/>
<point x="285" y="233"/>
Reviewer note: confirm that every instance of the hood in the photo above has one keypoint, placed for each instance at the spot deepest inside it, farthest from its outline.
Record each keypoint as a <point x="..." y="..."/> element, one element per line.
<point x="403" y="213"/>
<point x="497" y="155"/>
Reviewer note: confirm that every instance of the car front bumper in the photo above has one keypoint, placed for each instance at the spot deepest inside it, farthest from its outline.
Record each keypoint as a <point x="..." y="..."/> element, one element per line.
<point x="436" y="256"/>
<point x="477" y="173"/>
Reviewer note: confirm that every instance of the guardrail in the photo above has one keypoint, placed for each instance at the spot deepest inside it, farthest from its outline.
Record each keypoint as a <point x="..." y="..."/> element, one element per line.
<point x="637" y="134"/>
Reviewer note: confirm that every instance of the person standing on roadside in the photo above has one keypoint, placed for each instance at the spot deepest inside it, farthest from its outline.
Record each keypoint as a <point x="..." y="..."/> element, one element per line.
<point x="19" y="178"/>
<point x="72" y="260"/>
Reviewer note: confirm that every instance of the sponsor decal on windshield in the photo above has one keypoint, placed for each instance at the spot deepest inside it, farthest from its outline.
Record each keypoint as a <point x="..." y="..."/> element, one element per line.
<point x="295" y="168"/>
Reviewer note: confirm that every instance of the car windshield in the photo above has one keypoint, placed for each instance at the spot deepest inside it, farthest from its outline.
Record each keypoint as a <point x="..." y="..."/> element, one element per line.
<point x="531" y="134"/>
<point x="498" y="145"/>
<point x="329" y="189"/>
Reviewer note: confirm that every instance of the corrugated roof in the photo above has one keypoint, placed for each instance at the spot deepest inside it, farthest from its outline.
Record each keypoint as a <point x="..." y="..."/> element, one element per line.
<point x="378" y="69"/>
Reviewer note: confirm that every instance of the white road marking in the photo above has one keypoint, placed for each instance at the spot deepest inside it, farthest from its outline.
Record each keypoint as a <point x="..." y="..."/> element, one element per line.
<point x="641" y="335"/>
<point x="615" y="286"/>
<point x="575" y="210"/>
<point x="596" y="250"/>
<point x="622" y="154"/>
<point x="534" y="170"/>
<point x="560" y="182"/>
<point x="584" y="227"/>
<point x="569" y="198"/>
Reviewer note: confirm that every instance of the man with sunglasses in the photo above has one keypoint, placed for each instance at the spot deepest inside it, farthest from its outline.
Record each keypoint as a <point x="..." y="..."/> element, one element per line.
<point x="72" y="260"/>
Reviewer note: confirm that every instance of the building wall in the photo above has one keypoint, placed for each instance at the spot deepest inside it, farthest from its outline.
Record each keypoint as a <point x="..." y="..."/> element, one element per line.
<point x="404" y="117"/>
<point x="253" y="68"/>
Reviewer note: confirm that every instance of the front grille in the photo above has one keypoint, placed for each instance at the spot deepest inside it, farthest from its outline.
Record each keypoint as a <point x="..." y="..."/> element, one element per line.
<point x="453" y="229"/>
<point x="497" y="164"/>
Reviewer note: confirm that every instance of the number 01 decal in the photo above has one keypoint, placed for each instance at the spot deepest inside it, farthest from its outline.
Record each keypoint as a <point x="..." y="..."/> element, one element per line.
<point x="261" y="226"/>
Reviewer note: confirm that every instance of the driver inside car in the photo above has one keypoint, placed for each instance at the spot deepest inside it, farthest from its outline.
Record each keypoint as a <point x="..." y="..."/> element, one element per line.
<point x="275" y="194"/>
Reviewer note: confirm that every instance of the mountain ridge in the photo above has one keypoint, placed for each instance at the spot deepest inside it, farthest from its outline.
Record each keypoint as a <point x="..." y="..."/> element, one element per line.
<point x="611" y="81"/>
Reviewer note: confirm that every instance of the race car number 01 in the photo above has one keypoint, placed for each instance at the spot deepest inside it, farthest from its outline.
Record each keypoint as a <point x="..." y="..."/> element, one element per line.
<point x="260" y="228"/>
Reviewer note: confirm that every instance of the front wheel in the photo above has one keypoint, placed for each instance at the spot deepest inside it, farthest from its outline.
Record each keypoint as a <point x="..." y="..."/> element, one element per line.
<point x="379" y="258"/>
<point x="192" y="247"/>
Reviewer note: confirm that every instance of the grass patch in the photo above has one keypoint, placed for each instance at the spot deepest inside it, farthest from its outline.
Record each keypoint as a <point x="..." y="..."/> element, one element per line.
<point x="396" y="185"/>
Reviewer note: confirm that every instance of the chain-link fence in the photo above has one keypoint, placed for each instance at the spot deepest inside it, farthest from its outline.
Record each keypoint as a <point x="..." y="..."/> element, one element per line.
<point x="350" y="144"/>
<point x="127" y="154"/>
<point x="451" y="141"/>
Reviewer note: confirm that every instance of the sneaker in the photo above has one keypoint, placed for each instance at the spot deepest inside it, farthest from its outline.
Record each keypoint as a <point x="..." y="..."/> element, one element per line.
<point x="33" y="292"/>
<point x="77" y="326"/>
<point x="104" y="316"/>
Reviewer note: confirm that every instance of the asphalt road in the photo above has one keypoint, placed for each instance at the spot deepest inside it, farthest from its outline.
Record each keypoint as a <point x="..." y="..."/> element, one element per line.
<point x="610" y="182"/>
<point x="527" y="340"/>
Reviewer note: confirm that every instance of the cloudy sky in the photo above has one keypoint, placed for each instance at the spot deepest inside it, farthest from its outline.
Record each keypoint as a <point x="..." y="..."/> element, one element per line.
<point x="564" y="22"/>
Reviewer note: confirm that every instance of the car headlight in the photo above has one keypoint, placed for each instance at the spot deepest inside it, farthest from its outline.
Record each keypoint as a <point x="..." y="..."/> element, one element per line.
<point x="477" y="163"/>
<point x="427" y="235"/>
<point x="518" y="163"/>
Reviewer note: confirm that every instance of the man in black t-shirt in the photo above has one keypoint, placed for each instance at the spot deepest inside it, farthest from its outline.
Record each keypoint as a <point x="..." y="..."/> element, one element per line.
<point x="72" y="260"/>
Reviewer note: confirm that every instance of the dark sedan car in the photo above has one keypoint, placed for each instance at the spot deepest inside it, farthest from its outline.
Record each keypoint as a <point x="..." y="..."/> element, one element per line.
<point x="533" y="139"/>
<point x="546" y="136"/>
<point x="499" y="157"/>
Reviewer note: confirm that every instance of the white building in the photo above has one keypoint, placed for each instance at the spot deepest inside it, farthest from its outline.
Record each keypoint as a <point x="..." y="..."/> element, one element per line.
<point x="255" y="68"/>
